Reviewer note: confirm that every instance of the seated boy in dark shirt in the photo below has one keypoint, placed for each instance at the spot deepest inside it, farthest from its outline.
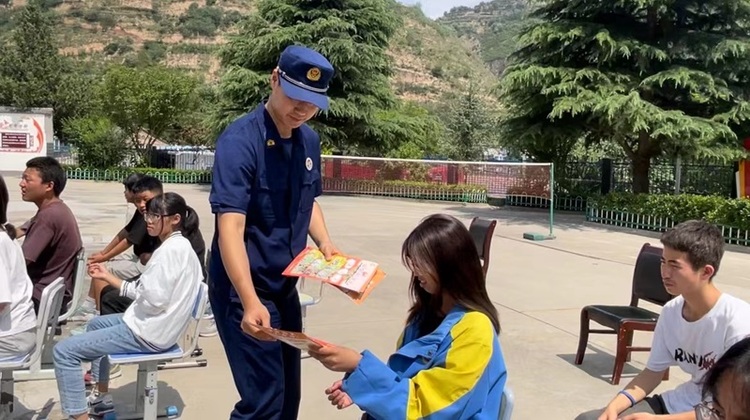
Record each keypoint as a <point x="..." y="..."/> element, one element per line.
<point x="52" y="238"/>
<point x="138" y="190"/>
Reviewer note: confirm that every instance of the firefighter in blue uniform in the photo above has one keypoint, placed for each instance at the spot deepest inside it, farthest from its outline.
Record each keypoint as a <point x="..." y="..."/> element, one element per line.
<point x="266" y="176"/>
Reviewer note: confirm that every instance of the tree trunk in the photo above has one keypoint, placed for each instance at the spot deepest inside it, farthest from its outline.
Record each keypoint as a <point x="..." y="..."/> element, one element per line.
<point x="641" y="169"/>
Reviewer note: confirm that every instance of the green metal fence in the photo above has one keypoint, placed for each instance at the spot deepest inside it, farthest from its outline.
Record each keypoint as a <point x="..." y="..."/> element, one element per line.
<point x="624" y="219"/>
<point x="166" y="176"/>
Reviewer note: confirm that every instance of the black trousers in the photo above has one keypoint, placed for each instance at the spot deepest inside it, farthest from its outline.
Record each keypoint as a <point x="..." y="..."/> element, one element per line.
<point x="266" y="374"/>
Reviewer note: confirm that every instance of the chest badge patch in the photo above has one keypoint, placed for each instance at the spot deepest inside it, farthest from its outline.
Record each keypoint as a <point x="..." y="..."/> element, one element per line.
<point x="308" y="164"/>
<point x="270" y="143"/>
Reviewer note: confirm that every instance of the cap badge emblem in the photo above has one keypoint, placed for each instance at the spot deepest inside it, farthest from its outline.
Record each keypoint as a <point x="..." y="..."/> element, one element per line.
<point x="313" y="74"/>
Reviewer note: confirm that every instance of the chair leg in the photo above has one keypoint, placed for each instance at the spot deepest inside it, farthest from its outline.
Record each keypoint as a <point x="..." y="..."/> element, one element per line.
<point x="629" y="339"/>
<point x="150" y="396"/>
<point x="583" y="336"/>
<point x="622" y="354"/>
<point x="304" y="354"/>
<point x="6" y="393"/>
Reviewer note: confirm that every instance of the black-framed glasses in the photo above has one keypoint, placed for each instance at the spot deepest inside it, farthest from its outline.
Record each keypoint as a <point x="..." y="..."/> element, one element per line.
<point x="706" y="411"/>
<point x="154" y="217"/>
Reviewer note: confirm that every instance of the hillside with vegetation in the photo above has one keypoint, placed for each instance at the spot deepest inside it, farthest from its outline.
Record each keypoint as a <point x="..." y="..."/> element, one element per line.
<point x="491" y="27"/>
<point x="143" y="71"/>
<point x="429" y="59"/>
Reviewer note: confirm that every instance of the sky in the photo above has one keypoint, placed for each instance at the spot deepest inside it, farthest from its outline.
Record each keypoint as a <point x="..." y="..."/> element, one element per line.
<point x="436" y="8"/>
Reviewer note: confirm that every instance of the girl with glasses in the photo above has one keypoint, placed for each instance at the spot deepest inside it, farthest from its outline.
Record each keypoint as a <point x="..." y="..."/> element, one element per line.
<point x="163" y="298"/>
<point x="726" y="387"/>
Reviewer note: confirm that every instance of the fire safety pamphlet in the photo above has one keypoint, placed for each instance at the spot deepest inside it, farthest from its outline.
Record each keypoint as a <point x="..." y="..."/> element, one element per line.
<point x="299" y="340"/>
<point x="353" y="276"/>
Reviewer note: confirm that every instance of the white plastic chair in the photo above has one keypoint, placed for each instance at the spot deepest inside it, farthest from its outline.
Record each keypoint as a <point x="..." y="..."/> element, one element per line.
<point x="49" y="309"/>
<point x="35" y="372"/>
<point x="146" y="403"/>
<point x="79" y="273"/>
<point x="507" y="403"/>
<point x="308" y="299"/>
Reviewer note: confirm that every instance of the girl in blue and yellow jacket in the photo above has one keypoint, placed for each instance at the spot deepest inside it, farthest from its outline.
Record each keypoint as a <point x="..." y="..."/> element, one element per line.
<point x="449" y="364"/>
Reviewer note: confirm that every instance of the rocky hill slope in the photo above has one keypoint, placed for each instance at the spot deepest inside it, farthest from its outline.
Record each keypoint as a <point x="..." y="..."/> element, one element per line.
<point x="430" y="59"/>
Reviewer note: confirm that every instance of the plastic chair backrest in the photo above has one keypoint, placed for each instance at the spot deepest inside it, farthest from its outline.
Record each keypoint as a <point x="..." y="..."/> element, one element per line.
<point x="190" y="341"/>
<point x="46" y="321"/>
<point x="506" y="404"/>
<point x="479" y="230"/>
<point x="647" y="281"/>
<point x="79" y="271"/>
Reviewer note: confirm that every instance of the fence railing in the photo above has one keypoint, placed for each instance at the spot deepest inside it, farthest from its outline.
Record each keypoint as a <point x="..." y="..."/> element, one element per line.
<point x="498" y="179"/>
<point x="624" y="219"/>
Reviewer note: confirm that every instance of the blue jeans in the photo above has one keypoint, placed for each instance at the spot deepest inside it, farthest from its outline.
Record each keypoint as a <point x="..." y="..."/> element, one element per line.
<point x="104" y="335"/>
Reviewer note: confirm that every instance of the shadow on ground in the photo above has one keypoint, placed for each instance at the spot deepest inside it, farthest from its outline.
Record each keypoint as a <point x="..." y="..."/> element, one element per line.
<point x="600" y="365"/>
<point x="125" y="397"/>
<point x="21" y="412"/>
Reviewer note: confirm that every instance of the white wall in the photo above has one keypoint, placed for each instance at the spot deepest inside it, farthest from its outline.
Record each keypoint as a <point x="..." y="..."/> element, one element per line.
<point x="23" y="135"/>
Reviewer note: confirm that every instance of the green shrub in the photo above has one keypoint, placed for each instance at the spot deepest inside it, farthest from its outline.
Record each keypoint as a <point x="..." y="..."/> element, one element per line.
<point x="200" y="21"/>
<point x="98" y="141"/>
<point x="116" y="48"/>
<point x="719" y="210"/>
<point x="155" y="50"/>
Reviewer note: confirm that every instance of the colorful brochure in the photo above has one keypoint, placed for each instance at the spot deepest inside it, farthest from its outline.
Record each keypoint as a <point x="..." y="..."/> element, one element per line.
<point x="295" y="339"/>
<point x="353" y="276"/>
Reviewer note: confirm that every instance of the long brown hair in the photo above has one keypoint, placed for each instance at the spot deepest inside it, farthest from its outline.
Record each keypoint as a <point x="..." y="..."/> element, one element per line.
<point x="442" y="245"/>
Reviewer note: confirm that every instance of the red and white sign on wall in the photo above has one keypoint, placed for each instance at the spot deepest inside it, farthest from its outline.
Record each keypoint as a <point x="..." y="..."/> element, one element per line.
<point x="23" y="135"/>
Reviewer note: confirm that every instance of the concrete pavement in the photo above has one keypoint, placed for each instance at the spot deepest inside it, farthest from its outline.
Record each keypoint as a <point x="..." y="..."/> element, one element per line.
<point x="539" y="289"/>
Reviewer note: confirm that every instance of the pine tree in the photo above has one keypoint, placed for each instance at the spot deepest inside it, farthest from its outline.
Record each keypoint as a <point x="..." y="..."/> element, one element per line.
<point x="34" y="75"/>
<point x="655" y="76"/>
<point x="30" y="65"/>
<point x="471" y="126"/>
<point x="352" y="34"/>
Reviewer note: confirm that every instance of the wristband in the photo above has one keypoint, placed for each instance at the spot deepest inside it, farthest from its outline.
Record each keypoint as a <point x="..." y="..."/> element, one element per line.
<point x="630" y="397"/>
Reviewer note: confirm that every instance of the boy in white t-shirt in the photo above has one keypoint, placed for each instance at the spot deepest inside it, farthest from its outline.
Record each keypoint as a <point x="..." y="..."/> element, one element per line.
<point x="693" y="331"/>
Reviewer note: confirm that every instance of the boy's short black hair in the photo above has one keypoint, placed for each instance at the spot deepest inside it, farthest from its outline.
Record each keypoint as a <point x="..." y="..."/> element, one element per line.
<point x="701" y="241"/>
<point x="49" y="170"/>
<point x="131" y="180"/>
<point x="148" y="183"/>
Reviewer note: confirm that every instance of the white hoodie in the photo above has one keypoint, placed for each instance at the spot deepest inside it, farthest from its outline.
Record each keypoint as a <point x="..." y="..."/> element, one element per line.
<point x="15" y="289"/>
<point x="165" y="293"/>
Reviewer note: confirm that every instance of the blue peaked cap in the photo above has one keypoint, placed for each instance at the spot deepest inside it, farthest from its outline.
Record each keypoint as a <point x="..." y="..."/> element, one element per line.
<point x="304" y="75"/>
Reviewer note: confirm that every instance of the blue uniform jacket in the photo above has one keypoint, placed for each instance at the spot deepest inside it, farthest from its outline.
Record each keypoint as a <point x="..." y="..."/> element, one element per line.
<point x="273" y="182"/>
<point x="455" y="372"/>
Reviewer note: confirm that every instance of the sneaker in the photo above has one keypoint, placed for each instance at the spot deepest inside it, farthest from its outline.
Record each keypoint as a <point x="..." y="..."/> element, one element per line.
<point x="208" y="324"/>
<point x="208" y="327"/>
<point x="100" y="404"/>
<point x="86" y="312"/>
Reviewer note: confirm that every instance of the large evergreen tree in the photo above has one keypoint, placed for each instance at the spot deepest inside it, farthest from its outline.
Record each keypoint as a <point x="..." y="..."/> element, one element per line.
<point x="34" y="75"/>
<point x="352" y="34"/>
<point x="654" y="76"/>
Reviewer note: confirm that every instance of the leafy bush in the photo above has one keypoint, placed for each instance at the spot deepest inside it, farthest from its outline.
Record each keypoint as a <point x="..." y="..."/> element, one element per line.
<point x="99" y="142"/>
<point x="50" y="4"/>
<point x="231" y="17"/>
<point x="721" y="211"/>
<point x="200" y="21"/>
<point x="155" y="50"/>
<point x="117" y="47"/>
